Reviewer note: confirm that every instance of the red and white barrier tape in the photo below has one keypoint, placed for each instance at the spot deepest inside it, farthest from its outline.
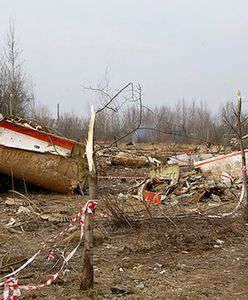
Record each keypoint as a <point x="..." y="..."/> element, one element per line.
<point x="244" y="169"/>
<point x="122" y="177"/>
<point x="227" y="179"/>
<point x="12" y="282"/>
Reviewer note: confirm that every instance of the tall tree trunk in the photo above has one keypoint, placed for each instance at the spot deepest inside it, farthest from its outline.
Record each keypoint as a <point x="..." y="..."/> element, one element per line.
<point x="87" y="281"/>
<point x="242" y="150"/>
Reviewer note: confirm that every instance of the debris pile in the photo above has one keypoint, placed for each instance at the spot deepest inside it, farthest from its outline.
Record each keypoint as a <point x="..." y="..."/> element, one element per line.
<point x="170" y="186"/>
<point x="176" y="181"/>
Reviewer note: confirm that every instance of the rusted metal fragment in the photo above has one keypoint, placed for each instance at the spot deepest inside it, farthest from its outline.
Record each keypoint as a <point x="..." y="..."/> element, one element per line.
<point x="53" y="172"/>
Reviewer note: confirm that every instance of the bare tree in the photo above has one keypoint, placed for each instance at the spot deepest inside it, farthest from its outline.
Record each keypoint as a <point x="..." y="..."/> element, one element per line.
<point x="112" y="103"/>
<point x="88" y="273"/>
<point x="15" y="88"/>
<point x="242" y="150"/>
<point x="71" y="126"/>
<point x="42" y="114"/>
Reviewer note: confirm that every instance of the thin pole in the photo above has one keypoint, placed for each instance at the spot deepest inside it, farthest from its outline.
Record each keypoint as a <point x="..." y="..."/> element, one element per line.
<point x="58" y="112"/>
<point x="242" y="151"/>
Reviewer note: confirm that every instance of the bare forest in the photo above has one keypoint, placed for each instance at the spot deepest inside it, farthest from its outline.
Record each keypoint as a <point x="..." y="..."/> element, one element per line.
<point x="128" y="200"/>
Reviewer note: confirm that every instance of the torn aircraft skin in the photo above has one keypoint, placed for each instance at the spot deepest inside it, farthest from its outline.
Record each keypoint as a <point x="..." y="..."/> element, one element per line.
<point x="230" y="163"/>
<point x="31" y="153"/>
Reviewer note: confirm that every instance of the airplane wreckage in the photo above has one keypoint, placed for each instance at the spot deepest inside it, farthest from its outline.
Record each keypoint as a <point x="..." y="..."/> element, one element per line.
<point x="34" y="154"/>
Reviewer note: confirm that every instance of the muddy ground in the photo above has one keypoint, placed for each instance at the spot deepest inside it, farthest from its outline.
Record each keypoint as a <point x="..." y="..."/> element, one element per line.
<point x="166" y="252"/>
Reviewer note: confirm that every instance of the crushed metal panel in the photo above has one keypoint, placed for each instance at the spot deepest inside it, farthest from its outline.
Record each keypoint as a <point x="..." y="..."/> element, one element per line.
<point x="154" y="198"/>
<point x="230" y="163"/>
<point x="170" y="172"/>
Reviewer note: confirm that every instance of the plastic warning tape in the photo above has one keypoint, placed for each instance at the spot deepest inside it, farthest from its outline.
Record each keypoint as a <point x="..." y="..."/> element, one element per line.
<point x="52" y="239"/>
<point x="122" y="177"/>
<point x="244" y="169"/>
<point x="12" y="282"/>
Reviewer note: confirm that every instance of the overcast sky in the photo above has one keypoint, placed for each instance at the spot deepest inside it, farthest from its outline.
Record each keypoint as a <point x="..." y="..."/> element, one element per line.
<point x="191" y="49"/>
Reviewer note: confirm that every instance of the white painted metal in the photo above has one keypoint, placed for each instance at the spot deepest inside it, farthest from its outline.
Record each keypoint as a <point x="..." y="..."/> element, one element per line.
<point x="18" y="140"/>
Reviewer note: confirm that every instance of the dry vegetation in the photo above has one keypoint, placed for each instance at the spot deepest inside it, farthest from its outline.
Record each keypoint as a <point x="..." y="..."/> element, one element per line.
<point x="142" y="251"/>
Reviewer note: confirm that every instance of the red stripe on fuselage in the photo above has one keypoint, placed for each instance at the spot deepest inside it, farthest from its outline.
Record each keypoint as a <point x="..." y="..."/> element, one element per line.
<point x="214" y="159"/>
<point x="46" y="137"/>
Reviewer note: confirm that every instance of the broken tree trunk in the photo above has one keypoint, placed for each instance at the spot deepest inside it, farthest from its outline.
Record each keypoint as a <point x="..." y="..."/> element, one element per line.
<point x="242" y="150"/>
<point x="131" y="160"/>
<point x="127" y="159"/>
<point x="87" y="281"/>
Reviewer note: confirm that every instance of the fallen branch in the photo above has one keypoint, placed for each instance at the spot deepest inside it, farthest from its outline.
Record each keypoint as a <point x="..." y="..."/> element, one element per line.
<point x="30" y="202"/>
<point x="14" y="263"/>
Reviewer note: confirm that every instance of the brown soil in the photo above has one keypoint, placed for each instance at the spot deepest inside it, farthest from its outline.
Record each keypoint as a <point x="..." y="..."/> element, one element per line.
<point x="168" y="256"/>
